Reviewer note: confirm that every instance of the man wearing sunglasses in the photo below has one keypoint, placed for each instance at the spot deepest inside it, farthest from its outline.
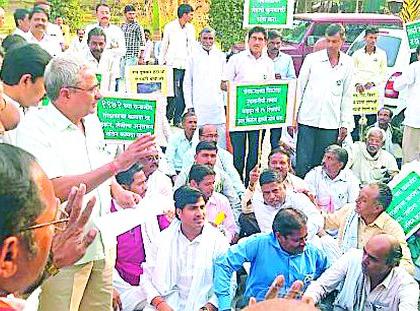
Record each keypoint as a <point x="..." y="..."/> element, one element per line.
<point x="67" y="140"/>
<point x="29" y="215"/>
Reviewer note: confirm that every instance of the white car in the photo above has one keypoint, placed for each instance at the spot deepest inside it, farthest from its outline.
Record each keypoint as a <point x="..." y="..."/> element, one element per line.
<point x="395" y="43"/>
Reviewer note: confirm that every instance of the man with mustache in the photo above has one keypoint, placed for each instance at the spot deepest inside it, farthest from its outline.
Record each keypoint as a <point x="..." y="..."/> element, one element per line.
<point x="369" y="162"/>
<point x="283" y="69"/>
<point x="178" y="273"/>
<point x="38" y="32"/>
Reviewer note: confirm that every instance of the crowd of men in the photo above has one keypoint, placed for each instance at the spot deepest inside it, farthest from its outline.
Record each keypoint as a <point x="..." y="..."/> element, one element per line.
<point x="188" y="218"/>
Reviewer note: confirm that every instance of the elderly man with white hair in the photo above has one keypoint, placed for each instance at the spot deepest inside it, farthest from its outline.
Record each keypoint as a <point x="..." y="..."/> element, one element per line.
<point x="369" y="162"/>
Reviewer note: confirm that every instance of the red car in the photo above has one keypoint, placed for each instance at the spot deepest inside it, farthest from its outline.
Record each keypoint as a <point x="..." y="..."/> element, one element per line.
<point x="309" y="28"/>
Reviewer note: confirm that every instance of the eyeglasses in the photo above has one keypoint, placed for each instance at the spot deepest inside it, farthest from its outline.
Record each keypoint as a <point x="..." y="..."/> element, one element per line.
<point x="92" y="89"/>
<point x="61" y="217"/>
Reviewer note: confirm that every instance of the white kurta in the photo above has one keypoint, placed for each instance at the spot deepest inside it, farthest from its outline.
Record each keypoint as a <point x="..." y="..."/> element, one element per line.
<point x="203" y="75"/>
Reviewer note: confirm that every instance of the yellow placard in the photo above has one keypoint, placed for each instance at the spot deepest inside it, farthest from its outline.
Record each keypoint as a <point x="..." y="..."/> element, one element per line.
<point x="366" y="102"/>
<point x="143" y="79"/>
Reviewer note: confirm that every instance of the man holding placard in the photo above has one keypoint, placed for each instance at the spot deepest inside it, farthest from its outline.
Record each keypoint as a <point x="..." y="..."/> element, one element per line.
<point x="325" y="100"/>
<point x="251" y="65"/>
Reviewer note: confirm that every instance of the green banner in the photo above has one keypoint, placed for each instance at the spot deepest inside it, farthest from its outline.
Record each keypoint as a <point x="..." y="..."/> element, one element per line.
<point x="267" y="13"/>
<point x="405" y="206"/>
<point x="413" y="34"/>
<point x="126" y="119"/>
<point x="260" y="105"/>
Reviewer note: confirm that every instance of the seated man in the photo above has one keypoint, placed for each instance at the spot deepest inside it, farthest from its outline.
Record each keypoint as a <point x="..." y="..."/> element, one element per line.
<point x="224" y="162"/>
<point x="206" y="154"/>
<point x="356" y="223"/>
<point x="179" y="268"/>
<point x="369" y="162"/>
<point x="369" y="279"/>
<point x="275" y="197"/>
<point x="130" y="245"/>
<point x="393" y="134"/>
<point x="179" y="144"/>
<point x="332" y="183"/>
<point x="218" y="210"/>
<point x="281" y="252"/>
<point x="157" y="182"/>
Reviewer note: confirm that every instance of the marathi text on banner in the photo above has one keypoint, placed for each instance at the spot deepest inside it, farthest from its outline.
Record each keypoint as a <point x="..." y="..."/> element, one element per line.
<point x="366" y="102"/>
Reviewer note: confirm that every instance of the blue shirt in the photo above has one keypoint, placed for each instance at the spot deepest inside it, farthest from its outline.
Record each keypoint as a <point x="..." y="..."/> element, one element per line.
<point x="178" y="147"/>
<point x="268" y="260"/>
<point x="283" y="64"/>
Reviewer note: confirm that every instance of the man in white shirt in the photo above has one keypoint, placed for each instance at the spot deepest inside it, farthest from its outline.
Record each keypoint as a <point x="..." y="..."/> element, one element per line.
<point x="250" y="66"/>
<point x="21" y="17"/>
<point x="115" y="40"/>
<point x="369" y="162"/>
<point x="203" y="75"/>
<point x="38" y="32"/>
<point x="52" y="29"/>
<point x="370" y="64"/>
<point x="283" y="68"/>
<point x="22" y="74"/>
<point x="333" y="184"/>
<point x="325" y="100"/>
<point x="411" y="138"/>
<point x="369" y="279"/>
<point x="77" y="45"/>
<point x="67" y="140"/>
<point x="175" y="48"/>
<point x="179" y="267"/>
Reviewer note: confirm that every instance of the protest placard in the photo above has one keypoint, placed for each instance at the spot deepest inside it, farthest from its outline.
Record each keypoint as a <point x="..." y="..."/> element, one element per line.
<point x="146" y="79"/>
<point x="366" y="102"/>
<point x="413" y="34"/>
<point x="260" y="106"/>
<point x="405" y="205"/>
<point x="124" y="119"/>
<point x="268" y="13"/>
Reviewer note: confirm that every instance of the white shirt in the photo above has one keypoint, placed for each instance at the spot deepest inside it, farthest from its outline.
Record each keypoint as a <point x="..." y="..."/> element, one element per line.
<point x="265" y="213"/>
<point x="370" y="67"/>
<point x="176" y="45"/>
<point x="333" y="192"/>
<point x="76" y="46"/>
<point x="203" y="75"/>
<point x="397" y="292"/>
<point x="244" y="67"/>
<point x="9" y="137"/>
<point x="48" y="43"/>
<point x="115" y="40"/>
<point x="62" y="149"/>
<point x="325" y="93"/>
<point x="159" y="184"/>
<point x="55" y="31"/>
<point x="20" y="32"/>
<point x="411" y="79"/>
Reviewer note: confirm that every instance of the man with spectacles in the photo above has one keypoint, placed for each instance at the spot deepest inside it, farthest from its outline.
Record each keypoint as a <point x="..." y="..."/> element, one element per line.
<point x="284" y="251"/>
<point x="66" y="138"/>
<point x="29" y="213"/>
<point x="22" y="74"/>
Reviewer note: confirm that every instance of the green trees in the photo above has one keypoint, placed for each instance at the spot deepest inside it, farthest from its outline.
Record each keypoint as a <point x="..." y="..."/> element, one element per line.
<point x="226" y="18"/>
<point x="71" y="10"/>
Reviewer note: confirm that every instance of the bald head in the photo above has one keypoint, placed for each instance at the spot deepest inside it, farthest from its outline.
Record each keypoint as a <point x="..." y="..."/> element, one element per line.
<point x="208" y="132"/>
<point x="386" y="245"/>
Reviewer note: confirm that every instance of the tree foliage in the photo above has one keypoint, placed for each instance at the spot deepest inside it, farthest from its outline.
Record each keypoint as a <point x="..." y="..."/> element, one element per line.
<point x="70" y="10"/>
<point x="226" y="18"/>
<point x="3" y="3"/>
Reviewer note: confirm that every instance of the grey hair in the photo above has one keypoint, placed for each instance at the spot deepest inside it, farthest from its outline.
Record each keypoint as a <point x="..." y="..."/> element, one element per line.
<point x="61" y="72"/>
<point x="339" y="152"/>
<point x="208" y="30"/>
<point x="373" y="130"/>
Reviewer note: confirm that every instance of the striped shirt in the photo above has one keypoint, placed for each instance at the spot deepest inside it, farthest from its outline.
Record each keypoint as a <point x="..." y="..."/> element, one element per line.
<point x="134" y="39"/>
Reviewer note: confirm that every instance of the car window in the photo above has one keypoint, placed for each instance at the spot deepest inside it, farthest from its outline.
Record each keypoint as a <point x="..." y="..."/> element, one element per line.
<point x="319" y="31"/>
<point x="391" y="45"/>
<point x="296" y="33"/>
<point x="353" y="30"/>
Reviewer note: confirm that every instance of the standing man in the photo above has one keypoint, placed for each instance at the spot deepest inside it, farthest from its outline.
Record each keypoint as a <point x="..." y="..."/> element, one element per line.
<point x="67" y="140"/>
<point x="283" y="69"/>
<point x="38" y="32"/>
<point x="77" y="45"/>
<point x="203" y="75"/>
<point x="411" y="138"/>
<point x="115" y="37"/>
<point x="370" y="64"/>
<point x="21" y="17"/>
<point x="134" y="39"/>
<point x="251" y="65"/>
<point x="175" y="48"/>
<point x="325" y="100"/>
